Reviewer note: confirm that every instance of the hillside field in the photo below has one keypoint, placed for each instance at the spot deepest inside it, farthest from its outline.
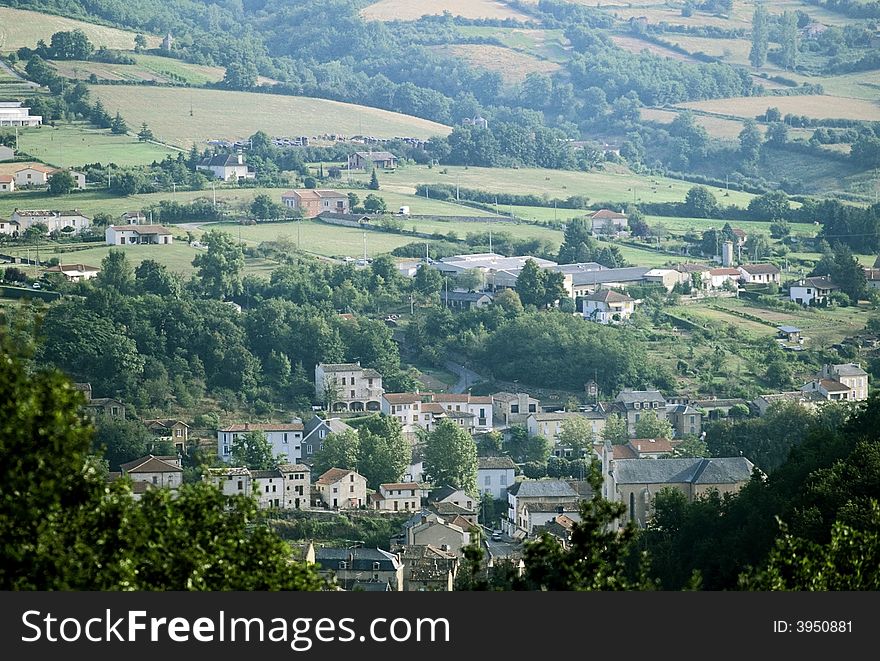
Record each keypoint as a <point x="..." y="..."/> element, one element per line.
<point x="227" y="115"/>
<point x="153" y="68"/>
<point x="77" y="143"/>
<point x="20" y="27"/>
<point x="512" y="65"/>
<point x="411" y="10"/>
<point x="818" y="106"/>
<point x="616" y="185"/>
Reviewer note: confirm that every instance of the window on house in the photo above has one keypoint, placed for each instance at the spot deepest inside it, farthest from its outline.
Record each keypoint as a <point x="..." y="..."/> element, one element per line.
<point x="155" y="479"/>
<point x="532" y="408"/>
<point x="267" y="488"/>
<point x="343" y="380"/>
<point x="335" y="489"/>
<point x="240" y="485"/>
<point x="309" y="449"/>
<point x="351" y="489"/>
<point x="504" y="479"/>
<point x="285" y="438"/>
<point x="376" y="566"/>
<point x="352" y="393"/>
<point x="343" y="565"/>
<point x="514" y="408"/>
<point x="487" y="480"/>
<point x="322" y="433"/>
<point x="114" y="410"/>
<point x="637" y="405"/>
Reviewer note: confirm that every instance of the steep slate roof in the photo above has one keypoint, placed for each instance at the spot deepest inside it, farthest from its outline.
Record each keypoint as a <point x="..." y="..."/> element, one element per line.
<point x="729" y="470"/>
<point x="495" y="463"/>
<point x="220" y="160"/>
<point x="466" y="296"/>
<point x="442" y="493"/>
<point x="609" y="296"/>
<point x="849" y="369"/>
<point x="542" y="489"/>
<point x="263" y="475"/>
<point x="449" y="509"/>
<point x="150" y="464"/>
<point x="357" y="559"/>
<point x="817" y="283"/>
<point x="631" y="396"/>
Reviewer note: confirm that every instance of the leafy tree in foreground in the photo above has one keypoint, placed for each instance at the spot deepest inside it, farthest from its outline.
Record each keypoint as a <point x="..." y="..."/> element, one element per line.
<point x="597" y="558"/>
<point x="849" y="561"/>
<point x="650" y="425"/>
<point x="63" y="528"/>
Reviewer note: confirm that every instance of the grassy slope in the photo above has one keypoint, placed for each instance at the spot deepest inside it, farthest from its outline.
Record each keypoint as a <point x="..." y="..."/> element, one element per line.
<point x="219" y="114"/>
<point x="817" y="106"/>
<point x="409" y="10"/>
<point x="24" y="28"/>
<point x="77" y="143"/>
<point x="612" y="185"/>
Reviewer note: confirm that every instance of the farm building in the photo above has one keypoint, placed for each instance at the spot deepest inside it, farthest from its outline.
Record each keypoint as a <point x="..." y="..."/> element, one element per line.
<point x="313" y="202"/>
<point x="367" y="160"/>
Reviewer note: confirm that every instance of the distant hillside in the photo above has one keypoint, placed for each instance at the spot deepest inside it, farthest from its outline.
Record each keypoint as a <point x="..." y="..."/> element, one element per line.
<point x="20" y="28"/>
<point x="219" y="114"/>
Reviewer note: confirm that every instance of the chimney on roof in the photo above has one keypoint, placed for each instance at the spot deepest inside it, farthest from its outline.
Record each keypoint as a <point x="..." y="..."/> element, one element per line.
<point x="247" y="426"/>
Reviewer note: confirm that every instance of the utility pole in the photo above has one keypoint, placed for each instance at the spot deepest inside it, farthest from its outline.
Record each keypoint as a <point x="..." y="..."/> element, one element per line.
<point x="365" y="248"/>
<point x="214" y="194"/>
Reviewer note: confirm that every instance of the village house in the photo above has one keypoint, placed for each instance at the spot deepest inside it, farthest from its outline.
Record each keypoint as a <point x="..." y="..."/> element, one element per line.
<point x="494" y="475"/>
<point x="154" y="471"/>
<point x="632" y="404"/>
<point x="314" y="201"/>
<point x="427" y="568"/>
<point x="55" y="221"/>
<point x="557" y="493"/>
<point x="173" y="431"/>
<point x="550" y="425"/>
<point x="314" y="433"/>
<point x="75" y="272"/>
<point x="228" y="167"/>
<point x="429" y="528"/>
<point x="812" y="291"/>
<point x="133" y="218"/>
<point x="719" y="277"/>
<point x="348" y="387"/>
<point x="872" y="277"/>
<point x="606" y="221"/>
<point x="755" y="274"/>
<point x="666" y="278"/>
<point x="608" y="307"/>
<point x="297" y="486"/>
<point x="635" y="482"/>
<point x="840" y="383"/>
<point x="457" y="497"/>
<point x="397" y="497"/>
<point x="231" y="481"/>
<point x="367" y="160"/>
<point x="685" y="419"/>
<point x="33" y="175"/>
<point x="361" y="568"/>
<point x="425" y="410"/>
<point x="513" y="408"/>
<point x="124" y="235"/>
<point x="560" y="526"/>
<point x="8" y="227"/>
<point x="108" y="407"/>
<point x="7" y="183"/>
<point x="497" y="270"/>
<point x="285" y="438"/>
<point x="15" y="113"/>
<point x="699" y="275"/>
<point x="342" y="489"/>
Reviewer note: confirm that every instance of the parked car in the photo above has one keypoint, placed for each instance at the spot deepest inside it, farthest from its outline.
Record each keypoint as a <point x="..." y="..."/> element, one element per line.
<point x="36" y="285"/>
<point x="496" y="536"/>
